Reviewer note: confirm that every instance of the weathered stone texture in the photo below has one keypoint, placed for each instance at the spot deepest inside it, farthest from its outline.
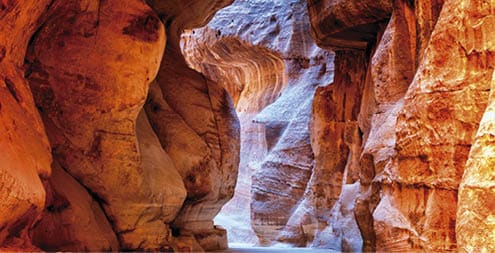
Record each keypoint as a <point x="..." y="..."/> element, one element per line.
<point x="25" y="152"/>
<point x="336" y="143"/>
<point x="93" y="138"/>
<point x="197" y="125"/>
<point x="89" y="65"/>
<point x="346" y="24"/>
<point x="475" y="227"/>
<point x="422" y="103"/>
<point x="121" y="133"/>
<point x="72" y="219"/>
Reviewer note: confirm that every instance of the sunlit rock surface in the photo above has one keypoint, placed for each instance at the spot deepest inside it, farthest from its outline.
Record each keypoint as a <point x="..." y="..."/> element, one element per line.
<point x="475" y="227"/>
<point x="115" y="185"/>
<point x="95" y="139"/>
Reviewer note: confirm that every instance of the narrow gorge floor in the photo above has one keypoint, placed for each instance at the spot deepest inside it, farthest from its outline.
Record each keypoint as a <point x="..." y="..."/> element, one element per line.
<point x="276" y="250"/>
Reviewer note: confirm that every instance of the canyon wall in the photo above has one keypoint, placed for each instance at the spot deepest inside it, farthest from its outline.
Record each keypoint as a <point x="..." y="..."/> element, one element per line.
<point x="25" y="159"/>
<point x="366" y="125"/>
<point x="96" y="160"/>
<point x="262" y="53"/>
<point x="425" y="84"/>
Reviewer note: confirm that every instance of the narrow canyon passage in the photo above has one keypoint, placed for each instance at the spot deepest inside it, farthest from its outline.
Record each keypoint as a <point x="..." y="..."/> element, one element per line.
<point x="266" y="126"/>
<point x="272" y="78"/>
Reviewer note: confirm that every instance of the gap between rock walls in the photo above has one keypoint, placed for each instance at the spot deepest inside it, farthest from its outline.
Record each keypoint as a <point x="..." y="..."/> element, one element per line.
<point x="184" y="125"/>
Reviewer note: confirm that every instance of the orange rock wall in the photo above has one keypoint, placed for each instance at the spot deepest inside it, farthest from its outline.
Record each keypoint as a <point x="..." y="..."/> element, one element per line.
<point x="25" y="159"/>
<point x="121" y="178"/>
<point x="427" y="87"/>
<point x="118" y="135"/>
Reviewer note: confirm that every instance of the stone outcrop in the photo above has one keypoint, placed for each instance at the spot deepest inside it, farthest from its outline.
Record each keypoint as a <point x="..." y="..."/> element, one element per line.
<point x="72" y="219"/>
<point x="259" y="76"/>
<point x="475" y="227"/>
<point x="197" y="125"/>
<point x="336" y="142"/>
<point x="95" y="139"/>
<point x="121" y="124"/>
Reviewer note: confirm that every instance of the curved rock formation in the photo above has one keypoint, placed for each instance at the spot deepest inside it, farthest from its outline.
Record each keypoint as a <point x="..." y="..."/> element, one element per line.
<point x="254" y="76"/>
<point x="271" y="68"/>
<point x="90" y="65"/>
<point x="206" y="152"/>
<point x="102" y="153"/>
<point x="121" y="134"/>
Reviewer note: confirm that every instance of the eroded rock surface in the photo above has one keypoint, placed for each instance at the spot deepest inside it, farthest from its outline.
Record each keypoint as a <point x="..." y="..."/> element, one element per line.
<point x="115" y="187"/>
<point x="262" y="53"/>
<point x="72" y="219"/>
<point x="118" y="137"/>
<point x="93" y="138"/>
<point x="197" y="125"/>
<point x="475" y="227"/>
<point x="25" y="158"/>
<point x="425" y="92"/>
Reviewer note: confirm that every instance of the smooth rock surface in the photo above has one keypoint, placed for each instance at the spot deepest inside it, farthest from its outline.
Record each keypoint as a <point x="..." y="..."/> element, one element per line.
<point x="197" y="126"/>
<point x="90" y="110"/>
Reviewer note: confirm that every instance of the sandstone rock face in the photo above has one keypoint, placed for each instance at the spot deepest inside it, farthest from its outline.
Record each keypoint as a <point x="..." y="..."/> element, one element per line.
<point x="475" y="225"/>
<point x="251" y="94"/>
<point x="103" y="152"/>
<point x="25" y="158"/>
<point x="206" y="149"/>
<point x="120" y="134"/>
<point x="347" y="24"/>
<point x="422" y="101"/>
<point x="336" y="142"/>
<point x="197" y="125"/>
<point x="270" y="66"/>
<point x="72" y="220"/>
<point x="115" y="186"/>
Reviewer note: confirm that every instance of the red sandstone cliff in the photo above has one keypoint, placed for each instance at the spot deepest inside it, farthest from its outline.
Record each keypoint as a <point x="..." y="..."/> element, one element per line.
<point x="425" y="83"/>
